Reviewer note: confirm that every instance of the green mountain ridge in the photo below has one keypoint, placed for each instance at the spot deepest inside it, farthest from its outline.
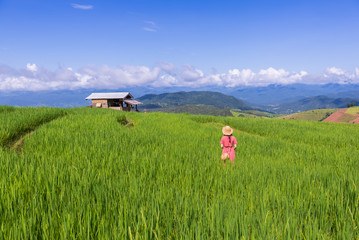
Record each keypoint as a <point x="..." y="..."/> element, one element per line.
<point x="206" y="98"/>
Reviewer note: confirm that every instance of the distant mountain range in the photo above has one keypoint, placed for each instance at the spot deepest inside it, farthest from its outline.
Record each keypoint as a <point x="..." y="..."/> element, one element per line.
<point x="274" y="98"/>
<point x="280" y="94"/>
<point x="221" y="101"/>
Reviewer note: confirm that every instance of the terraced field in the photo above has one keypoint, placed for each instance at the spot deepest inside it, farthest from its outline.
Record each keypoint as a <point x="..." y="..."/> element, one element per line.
<point x="344" y="115"/>
<point x="353" y="110"/>
<point x="311" y="115"/>
<point x="98" y="173"/>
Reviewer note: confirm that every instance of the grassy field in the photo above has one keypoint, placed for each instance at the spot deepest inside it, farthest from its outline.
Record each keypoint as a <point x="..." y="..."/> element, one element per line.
<point x="98" y="173"/>
<point x="252" y="114"/>
<point x="353" y="110"/>
<point x="311" y="115"/>
<point x="193" y="109"/>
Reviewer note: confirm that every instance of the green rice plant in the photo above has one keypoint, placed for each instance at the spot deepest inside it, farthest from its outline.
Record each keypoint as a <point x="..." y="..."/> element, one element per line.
<point x="6" y="109"/>
<point x="15" y="124"/>
<point x="88" y="175"/>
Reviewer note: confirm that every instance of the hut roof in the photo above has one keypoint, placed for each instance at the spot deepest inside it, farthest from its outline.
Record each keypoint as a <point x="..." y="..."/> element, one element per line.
<point x="114" y="95"/>
<point x="132" y="102"/>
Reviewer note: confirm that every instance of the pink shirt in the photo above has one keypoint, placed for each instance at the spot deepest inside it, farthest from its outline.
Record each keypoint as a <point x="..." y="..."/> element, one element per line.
<point x="228" y="146"/>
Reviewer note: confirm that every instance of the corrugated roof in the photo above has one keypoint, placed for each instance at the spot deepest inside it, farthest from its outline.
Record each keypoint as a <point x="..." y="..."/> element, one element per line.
<point x="114" y="95"/>
<point x="132" y="102"/>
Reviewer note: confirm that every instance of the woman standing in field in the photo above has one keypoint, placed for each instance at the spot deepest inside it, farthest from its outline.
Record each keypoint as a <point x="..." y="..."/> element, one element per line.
<point x="228" y="144"/>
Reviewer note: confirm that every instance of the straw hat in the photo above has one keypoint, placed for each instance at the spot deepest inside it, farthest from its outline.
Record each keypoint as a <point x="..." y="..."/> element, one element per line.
<point x="227" y="130"/>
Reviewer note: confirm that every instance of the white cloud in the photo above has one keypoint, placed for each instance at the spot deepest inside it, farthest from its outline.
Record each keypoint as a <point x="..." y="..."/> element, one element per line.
<point x="150" y="26"/>
<point x="149" y="29"/>
<point x="167" y="67"/>
<point x="340" y="75"/>
<point x="247" y="77"/>
<point x="151" y="23"/>
<point x="82" y="7"/>
<point x="31" y="67"/>
<point x="189" y="73"/>
<point x="336" y="71"/>
<point x="36" y="78"/>
<point x="265" y="77"/>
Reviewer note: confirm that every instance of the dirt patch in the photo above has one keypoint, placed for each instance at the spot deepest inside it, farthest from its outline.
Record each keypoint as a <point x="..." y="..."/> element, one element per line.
<point x="355" y="121"/>
<point x="341" y="116"/>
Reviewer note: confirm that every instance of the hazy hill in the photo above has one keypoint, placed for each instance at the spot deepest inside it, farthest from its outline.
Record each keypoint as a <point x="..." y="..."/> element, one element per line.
<point x="312" y="103"/>
<point x="206" y="98"/>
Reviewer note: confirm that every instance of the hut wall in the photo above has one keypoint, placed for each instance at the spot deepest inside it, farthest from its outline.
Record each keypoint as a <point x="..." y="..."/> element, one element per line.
<point x="102" y="101"/>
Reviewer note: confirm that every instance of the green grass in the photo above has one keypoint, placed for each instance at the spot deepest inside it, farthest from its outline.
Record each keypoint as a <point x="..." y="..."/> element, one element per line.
<point x="311" y="115"/>
<point x="353" y="110"/>
<point x="6" y="109"/>
<point x="16" y="122"/>
<point x="98" y="173"/>
<point x="193" y="109"/>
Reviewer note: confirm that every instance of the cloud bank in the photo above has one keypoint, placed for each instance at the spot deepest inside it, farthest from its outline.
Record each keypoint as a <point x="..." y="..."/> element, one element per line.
<point x="36" y="78"/>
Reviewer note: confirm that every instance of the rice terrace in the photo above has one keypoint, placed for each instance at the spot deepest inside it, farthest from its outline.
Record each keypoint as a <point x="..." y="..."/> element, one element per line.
<point x="93" y="173"/>
<point x="166" y="120"/>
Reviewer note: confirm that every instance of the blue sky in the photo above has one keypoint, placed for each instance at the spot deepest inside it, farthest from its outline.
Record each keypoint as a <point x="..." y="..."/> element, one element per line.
<point x="173" y="42"/>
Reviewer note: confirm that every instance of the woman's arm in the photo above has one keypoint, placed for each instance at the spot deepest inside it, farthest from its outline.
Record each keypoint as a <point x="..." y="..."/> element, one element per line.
<point x="235" y="146"/>
<point x="221" y="145"/>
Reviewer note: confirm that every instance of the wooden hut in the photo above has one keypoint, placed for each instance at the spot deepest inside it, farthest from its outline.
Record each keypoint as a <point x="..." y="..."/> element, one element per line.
<point x="122" y="101"/>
